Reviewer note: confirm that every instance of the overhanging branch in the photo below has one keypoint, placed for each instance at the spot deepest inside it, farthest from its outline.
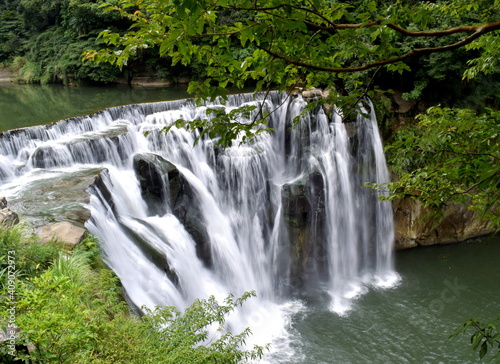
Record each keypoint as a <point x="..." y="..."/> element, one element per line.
<point x="479" y="31"/>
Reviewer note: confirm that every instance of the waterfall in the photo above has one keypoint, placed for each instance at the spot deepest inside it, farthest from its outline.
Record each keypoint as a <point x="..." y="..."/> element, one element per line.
<point x="283" y="214"/>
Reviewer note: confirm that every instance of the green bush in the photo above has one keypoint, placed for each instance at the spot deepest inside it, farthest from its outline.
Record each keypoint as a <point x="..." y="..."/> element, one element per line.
<point x="70" y="309"/>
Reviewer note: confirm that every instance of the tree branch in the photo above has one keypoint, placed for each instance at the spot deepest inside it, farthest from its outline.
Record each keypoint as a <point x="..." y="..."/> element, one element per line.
<point x="487" y="28"/>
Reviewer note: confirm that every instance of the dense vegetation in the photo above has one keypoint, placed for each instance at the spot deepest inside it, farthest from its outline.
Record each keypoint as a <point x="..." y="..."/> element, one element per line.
<point x="43" y="41"/>
<point x="71" y="309"/>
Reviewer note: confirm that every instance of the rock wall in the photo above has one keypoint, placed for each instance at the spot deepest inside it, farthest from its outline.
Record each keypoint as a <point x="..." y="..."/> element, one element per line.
<point x="415" y="225"/>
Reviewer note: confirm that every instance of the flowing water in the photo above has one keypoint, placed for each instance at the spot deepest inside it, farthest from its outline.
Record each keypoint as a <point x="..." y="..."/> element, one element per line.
<point x="241" y="222"/>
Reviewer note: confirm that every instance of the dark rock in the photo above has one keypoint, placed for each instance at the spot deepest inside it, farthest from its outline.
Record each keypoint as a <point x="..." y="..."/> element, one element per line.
<point x="99" y="188"/>
<point x="158" y="258"/>
<point x="162" y="186"/>
<point x="186" y="208"/>
<point x="157" y="177"/>
<point x="3" y="203"/>
<point x="304" y="217"/>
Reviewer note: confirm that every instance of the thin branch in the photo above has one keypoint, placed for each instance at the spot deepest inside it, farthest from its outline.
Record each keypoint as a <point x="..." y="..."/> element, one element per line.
<point x="471" y="187"/>
<point x="451" y="151"/>
<point x="363" y="94"/>
<point x="414" y="53"/>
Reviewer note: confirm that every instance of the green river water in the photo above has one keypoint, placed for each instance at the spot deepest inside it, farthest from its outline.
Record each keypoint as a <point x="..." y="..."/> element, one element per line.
<point x="440" y="287"/>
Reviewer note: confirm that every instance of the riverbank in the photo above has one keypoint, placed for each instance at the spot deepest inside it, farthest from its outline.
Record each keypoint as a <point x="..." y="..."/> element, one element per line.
<point x="6" y="75"/>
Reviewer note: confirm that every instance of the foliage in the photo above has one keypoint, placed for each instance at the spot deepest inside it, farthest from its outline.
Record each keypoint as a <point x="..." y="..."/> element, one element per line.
<point x="294" y="42"/>
<point x="452" y="155"/>
<point x="485" y="337"/>
<point x="72" y="311"/>
<point x="51" y="35"/>
<point x="31" y="256"/>
<point x="224" y="127"/>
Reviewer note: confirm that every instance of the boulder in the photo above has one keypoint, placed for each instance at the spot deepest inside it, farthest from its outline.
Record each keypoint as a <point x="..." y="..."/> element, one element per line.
<point x="312" y="94"/>
<point x="164" y="189"/>
<point x="64" y="232"/>
<point x="159" y="180"/>
<point x="3" y="203"/>
<point x="8" y="217"/>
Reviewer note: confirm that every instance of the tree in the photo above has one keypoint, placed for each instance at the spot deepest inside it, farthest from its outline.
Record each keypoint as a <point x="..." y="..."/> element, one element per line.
<point x="451" y="155"/>
<point x="291" y="43"/>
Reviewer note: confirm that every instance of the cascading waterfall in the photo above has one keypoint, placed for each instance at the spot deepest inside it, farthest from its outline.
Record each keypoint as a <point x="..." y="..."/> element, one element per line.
<point x="280" y="215"/>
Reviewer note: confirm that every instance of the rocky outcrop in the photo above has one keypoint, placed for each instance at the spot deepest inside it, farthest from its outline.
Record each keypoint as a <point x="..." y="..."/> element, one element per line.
<point x="416" y="225"/>
<point x="61" y="197"/>
<point x="304" y="216"/>
<point x="63" y="232"/>
<point x="159" y="180"/>
<point x="162" y="186"/>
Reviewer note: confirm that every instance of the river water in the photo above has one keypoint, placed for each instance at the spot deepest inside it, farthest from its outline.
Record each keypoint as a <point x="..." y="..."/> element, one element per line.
<point x="440" y="286"/>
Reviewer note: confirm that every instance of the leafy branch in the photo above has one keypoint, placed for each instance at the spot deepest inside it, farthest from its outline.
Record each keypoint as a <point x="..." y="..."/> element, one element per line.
<point x="485" y="337"/>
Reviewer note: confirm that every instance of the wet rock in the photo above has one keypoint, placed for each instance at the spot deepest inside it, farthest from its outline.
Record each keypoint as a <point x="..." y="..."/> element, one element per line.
<point x="154" y="255"/>
<point x="304" y="216"/>
<point x="3" y="202"/>
<point x="92" y="147"/>
<point x="56" y="197"/>
<point x="164" y="189"/>
<point x="159" y="180"/>
<point x="99" y="188"/>
<point x="64" y="232"/>
<point x="185" y="207"/>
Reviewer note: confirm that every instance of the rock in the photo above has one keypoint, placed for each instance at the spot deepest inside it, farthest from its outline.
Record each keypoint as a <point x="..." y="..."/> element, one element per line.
<point x="64" y="232"/>
<point x="403" y="105"/>
<point x="417" y="226"/>
<point x="303" y="214"/>
<point x="327" y="107"/>
<point x="3" y="203"/>
<point x="159" y="180"/>
<point x="162" y="186"/>
<point x="101" y="145"/>
<point x="8" y="217"/>
<point x="312" y="94"/>
<point x="57" y="197"/>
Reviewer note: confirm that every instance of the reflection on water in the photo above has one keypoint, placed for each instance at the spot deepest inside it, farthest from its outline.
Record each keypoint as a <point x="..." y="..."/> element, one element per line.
<point x="28" y="105"/>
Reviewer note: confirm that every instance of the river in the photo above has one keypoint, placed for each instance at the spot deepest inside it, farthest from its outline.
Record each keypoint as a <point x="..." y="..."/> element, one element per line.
<point x="440" y="286"/>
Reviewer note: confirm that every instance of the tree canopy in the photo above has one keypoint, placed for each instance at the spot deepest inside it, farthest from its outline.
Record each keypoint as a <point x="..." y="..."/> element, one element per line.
<point x="289" y="43"/>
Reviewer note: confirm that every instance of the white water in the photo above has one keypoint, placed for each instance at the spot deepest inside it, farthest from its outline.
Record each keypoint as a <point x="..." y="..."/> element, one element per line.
<point x="239" y="197"/>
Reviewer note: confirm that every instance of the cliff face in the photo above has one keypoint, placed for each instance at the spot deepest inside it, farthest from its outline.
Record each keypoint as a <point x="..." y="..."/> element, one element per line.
<point x="415" y="225"/>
